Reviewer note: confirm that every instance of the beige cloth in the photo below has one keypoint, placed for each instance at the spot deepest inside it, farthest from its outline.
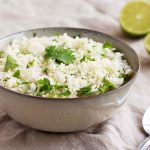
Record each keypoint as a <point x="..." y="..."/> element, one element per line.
<point x="121" y="132"/>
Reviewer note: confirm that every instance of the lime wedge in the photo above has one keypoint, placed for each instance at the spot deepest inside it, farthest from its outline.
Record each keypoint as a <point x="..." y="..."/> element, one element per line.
<point x="147" y="43"/>
<point x="135" y="18"/>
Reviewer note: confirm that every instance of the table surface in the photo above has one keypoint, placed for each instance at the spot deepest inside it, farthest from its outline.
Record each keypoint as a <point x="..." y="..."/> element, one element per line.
<point x="121" y="132"/>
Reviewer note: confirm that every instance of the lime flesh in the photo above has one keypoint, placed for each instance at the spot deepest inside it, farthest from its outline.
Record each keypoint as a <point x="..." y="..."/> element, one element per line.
<point x="135" y="18"/>
<point x="147" y="43"/>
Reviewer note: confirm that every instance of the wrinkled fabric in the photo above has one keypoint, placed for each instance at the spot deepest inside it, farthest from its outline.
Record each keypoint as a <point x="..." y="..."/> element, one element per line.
<point x="123" y="131"/>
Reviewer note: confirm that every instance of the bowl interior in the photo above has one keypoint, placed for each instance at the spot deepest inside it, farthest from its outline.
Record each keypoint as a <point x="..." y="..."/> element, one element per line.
<point x="129" y="53"/>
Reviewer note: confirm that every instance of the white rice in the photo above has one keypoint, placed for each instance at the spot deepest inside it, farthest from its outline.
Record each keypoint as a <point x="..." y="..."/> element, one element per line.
<point x="75" y="75"/>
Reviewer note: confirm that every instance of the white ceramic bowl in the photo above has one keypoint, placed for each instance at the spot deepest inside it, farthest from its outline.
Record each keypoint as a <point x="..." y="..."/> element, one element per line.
<point x="67" y="115"/>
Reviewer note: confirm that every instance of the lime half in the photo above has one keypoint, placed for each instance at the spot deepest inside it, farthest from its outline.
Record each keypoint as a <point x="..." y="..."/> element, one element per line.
<point x="135" y="18"/>
<point x="147" y="43"/>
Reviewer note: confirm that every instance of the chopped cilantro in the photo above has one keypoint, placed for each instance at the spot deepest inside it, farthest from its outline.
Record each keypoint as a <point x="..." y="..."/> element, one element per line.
<point x="17" y="74"/>
<point x="107" y="45"/>
<point x="89" y="51"/>
<point x="61" y="90"/>
<point x="77" y="35"/>
<point x="107" y="86"/>
<point x="26" y="52"/>
<point x="66" y="93"/>
<point x="103" y="55"/>
<point x="38" y="94"/>
<point x="56" y="86"/>
<point x="34" y="34"/>
<point x="5" y="79"/>
<point x="85" y="91"/>
<point x="1" y="53"/>
<point x="85" y="58"/>
<point x="10" y="63"/>
<point x="30" y="64"/>
<point x="52" y="90"/>
<point x="54" y="40"/>
<point x="25" y="82"/>
<point x="45" y="70"/>
<point x="60" y="54"/>
<point x="44" y="85"/>
<point x="57" y="34"/>
<point x="126" y="77"/>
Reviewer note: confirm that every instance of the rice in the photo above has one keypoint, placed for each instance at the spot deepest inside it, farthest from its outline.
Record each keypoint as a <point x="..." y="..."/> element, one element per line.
<point x="81" y="66"/>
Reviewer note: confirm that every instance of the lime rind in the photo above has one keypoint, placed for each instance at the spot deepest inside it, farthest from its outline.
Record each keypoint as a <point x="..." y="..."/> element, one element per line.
<point x="134" y="18"/>
<point x="147" y="43"/>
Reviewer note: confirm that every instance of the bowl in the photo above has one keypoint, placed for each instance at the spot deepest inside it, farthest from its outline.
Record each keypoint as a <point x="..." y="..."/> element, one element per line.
<point x="73" y="114"/>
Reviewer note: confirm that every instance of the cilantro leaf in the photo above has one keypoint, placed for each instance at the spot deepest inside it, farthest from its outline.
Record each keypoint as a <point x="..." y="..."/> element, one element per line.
<point x="44" y="85"/>
<point x="85" y="91"/>
<point x="89" y="51"/>
<point x="52" y="90"/>
<point x="45" y="70"/>
<point x="85" y="58"/>
<point x="30" y="64"/>
<point x="25" y="82"/>
<point x="107" y="45"/>
<point x="66" y="93"/>
<point x="103" y="55"/>
<point x="60" y="54"/>
<point x="34" y="34"/>
<point x="61" y="90"/>
<point x="17" y="74"/>
<point x="126" y="77"/>
<point x="58" y="87"/>
<point x="5" y="79"/>
<point x="107" y="86"/>
<point x="1" y="53"/>
<point x="10" y="63"/>
<point x="26" y="52"/>
<point x="55" y="40"/>
<point x="57" y="34"/>
<point x="78" y="35"/>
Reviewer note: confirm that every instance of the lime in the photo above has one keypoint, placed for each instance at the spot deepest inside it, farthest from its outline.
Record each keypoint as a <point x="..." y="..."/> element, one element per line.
<point x="135" y="18"/>
<point x="147" y="43"/>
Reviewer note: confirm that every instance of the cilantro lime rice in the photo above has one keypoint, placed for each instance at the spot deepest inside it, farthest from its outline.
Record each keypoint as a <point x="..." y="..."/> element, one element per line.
<point x="61" y="66"/>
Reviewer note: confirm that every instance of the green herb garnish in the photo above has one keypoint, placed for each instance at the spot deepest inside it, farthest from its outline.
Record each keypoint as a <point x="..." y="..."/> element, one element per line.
<point x="34" y="34"/>
<point x="26" y="52"/>
<point x="78" y="35"/>
<point x="55" y="40"/>
<point x="66" y="93"/>
<point x="5" y="79"/>
<point x="25" y="82"/>
<point x="107" y="86"/>
<point x="57" y="34"/>
<point x="61" y="90"/>
<point x="85" y="91"/>
<point x="45" y="70"/>
<point x="10" y="63"/>
<point x="1" y="53"/>
<point x="86" y="58"/>
<point x="52" y="90"/>
<point x="44" y="85"/>
<point x="60" y="54"/>
<point x="58" y="87"/>
<point x="107" y="45"/>
<point x="30" y="64"/>
<point x="103" y="55"/>
<point x="126" y="77"/>
<point x="89" y="51"/>
<point x="17" y="74"/>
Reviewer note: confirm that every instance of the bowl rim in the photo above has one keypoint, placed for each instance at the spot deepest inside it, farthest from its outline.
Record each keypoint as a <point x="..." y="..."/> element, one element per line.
<point x="135" y="74"/>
